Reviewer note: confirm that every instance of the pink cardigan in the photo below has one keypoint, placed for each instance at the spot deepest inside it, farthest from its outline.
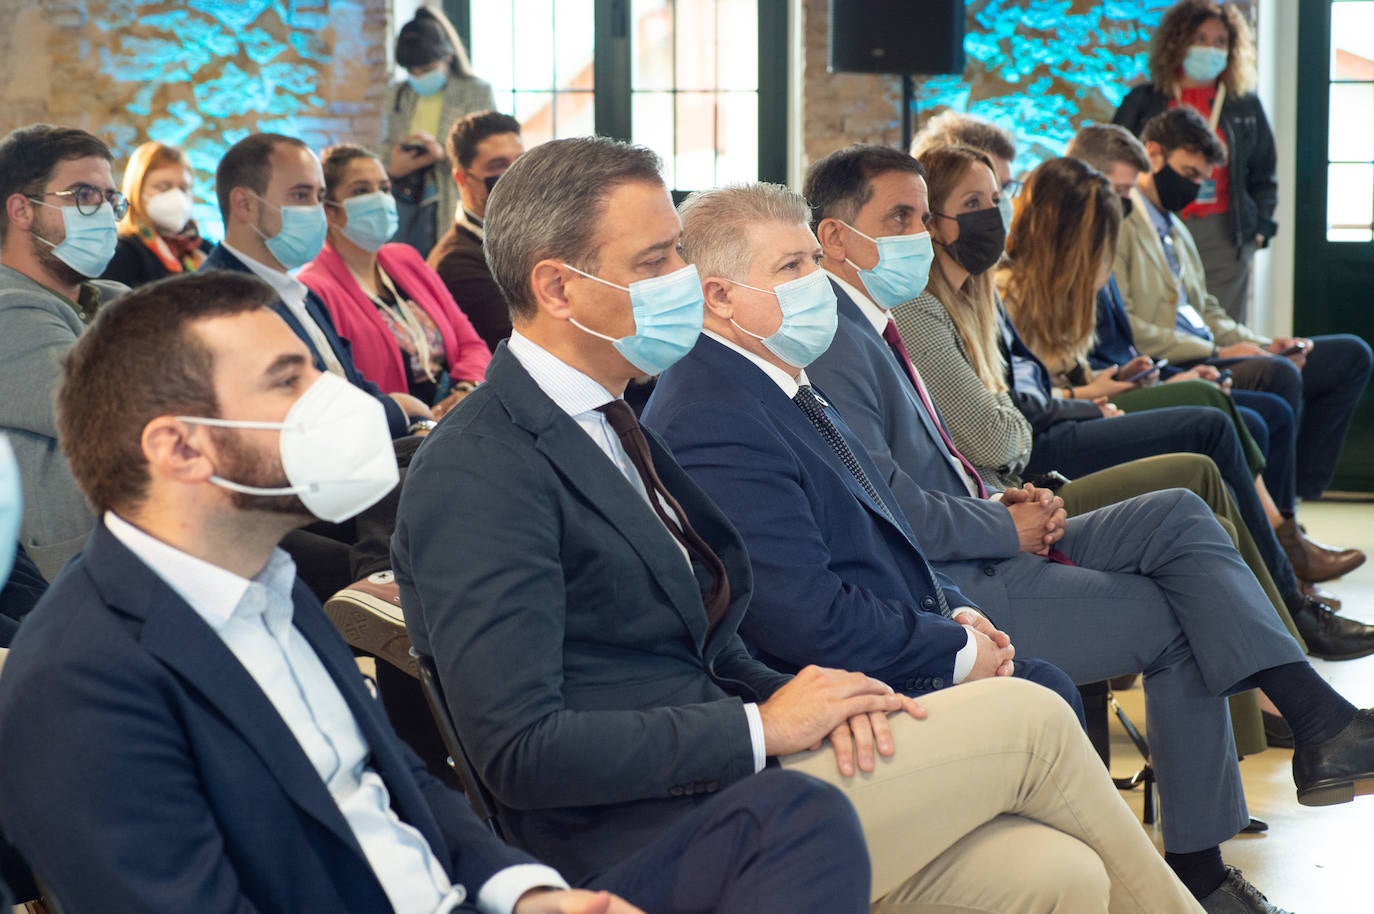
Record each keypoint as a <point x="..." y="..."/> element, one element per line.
<point x="375" y="351"/>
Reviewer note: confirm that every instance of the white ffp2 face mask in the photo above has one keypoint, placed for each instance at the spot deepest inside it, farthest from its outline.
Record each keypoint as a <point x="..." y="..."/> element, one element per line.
<point x="335" y="450"/>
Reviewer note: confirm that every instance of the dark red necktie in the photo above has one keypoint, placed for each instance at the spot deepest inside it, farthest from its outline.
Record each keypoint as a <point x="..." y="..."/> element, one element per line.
<point x="626" y="426"/>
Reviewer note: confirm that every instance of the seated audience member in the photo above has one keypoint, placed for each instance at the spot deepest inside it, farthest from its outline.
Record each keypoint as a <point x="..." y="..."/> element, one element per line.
<point x="1059" y="252"/>
<point x="955" y="128"/>
<point x="157" y="236"/>
<point x="829" y="585"/>
<point x="270" y="190"/>
<point x="1113" y="151"/>
<point x="1000" y="409"/>
<point x="243" y="765"/>
<point x="481" y="147"/>
<point x="1173" y="315"/>
<point x="407" y="335"/>
<point x="440" y="88"/>
<point x="57" y="232"/>
<point x="599" y="593"/>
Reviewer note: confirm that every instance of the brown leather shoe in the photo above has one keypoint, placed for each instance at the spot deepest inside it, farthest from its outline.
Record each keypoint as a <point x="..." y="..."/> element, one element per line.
<point x="1320" y="594"/>
<point x="1313" y="561"/>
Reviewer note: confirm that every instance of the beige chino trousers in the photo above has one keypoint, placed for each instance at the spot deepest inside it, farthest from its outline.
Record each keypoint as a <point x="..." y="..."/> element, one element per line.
<point x="996" y="802"/>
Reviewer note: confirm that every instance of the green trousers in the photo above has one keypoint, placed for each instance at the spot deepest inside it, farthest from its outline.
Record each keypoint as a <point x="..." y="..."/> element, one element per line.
<point x="1193" y="393"/>
<point x="1199" y="475"/>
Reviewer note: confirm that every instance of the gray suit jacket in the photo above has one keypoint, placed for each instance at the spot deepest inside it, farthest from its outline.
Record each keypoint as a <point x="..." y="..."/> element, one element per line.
<point x="568" y="628"/>
<point x="37" y="327"/>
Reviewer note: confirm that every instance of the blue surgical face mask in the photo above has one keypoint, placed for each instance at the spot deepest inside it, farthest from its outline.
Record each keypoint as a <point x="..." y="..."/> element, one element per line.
<point x="302" y="234"/>
<point x="809" y="319"/>
<point x="902" y="269"/>
<point x="90" y="241"/>
<point x="431" y="82"/>
<point x="1204" y="63"/>
<point x="667" y="312"/>
<point x="372" y="219"/>
<point x="11" y="508"/>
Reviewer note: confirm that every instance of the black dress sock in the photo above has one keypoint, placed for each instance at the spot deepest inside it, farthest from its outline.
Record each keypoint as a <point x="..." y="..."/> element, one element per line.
<point x="1314" y="711"/>
<point x="1201" y="872"/>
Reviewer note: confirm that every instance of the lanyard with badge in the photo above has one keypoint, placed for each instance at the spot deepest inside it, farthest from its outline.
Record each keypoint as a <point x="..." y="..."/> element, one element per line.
<point x="1207" y="191"/>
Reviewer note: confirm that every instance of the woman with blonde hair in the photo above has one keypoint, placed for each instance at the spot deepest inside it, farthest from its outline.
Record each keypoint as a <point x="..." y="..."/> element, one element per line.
<point x="1203" y="56"/>
<point x="157" y="236"/>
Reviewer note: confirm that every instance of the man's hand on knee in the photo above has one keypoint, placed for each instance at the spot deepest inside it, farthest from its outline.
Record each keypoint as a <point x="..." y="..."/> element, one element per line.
<point x="846" y="707"/>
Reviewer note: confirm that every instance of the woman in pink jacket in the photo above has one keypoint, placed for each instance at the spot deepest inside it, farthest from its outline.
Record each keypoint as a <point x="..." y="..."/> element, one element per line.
<point x="407" y="334"/>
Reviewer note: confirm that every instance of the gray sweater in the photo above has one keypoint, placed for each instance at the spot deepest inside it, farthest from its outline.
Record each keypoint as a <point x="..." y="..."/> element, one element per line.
<point x="37" y="327"/>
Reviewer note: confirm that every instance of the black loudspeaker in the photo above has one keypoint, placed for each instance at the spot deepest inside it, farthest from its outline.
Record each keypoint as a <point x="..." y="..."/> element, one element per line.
<point x="897" y="36"/>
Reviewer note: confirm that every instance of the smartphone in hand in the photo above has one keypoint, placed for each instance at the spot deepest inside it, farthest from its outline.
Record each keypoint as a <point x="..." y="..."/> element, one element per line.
<point x="1294" y="349"/>
<point x="1223" y="377"/>
<point x="1142" y="375"/>
<point x="415" y="149"/>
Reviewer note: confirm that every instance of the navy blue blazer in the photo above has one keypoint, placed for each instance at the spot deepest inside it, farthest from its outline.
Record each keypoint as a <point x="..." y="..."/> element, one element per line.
<point x="836" y="582"/>
<point x="868" y="386"/>
<point x="222" y="259"/>
<point x="1114" y="343"/>
<point x="568" y="627"/>
<point x="145" y="770"/>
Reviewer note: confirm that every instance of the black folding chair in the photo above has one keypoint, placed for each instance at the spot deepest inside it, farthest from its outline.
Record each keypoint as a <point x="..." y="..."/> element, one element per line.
<point x="483" y="803"/>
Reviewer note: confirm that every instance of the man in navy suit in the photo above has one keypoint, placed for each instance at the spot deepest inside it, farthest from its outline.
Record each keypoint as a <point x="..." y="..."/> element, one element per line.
<point x="271" y="191"/>
<point x="580" y="595"/>
<point x="1142" y="586"/>
<point x="184" y="699"/>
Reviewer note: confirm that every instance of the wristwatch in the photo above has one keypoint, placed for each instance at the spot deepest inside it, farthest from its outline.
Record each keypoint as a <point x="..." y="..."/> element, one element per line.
<point x="421" y="425"/>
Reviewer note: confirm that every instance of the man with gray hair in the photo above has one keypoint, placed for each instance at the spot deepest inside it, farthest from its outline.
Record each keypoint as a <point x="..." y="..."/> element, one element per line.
<point x="582" y="598"/>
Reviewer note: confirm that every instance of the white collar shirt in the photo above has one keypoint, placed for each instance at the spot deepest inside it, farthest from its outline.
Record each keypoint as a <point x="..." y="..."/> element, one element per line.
<point x="253" y="617"/>
<point x="292" y="293"/>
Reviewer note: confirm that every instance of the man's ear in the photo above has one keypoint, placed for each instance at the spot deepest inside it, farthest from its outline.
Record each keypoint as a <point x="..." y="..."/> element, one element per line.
<point x="717" y="294"/>
<point x="1156" y="154"/>
<point x="19" y="211"/>
<point x="548" y="285"/>
<point x="831" y="234"/>
<point x="243" y="205"/>
<point x="460" y="177"/>
<point x="174" y="450"/>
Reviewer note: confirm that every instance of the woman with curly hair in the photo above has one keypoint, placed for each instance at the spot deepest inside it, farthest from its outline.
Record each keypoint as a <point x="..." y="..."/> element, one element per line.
<point x="1203" y="55"/>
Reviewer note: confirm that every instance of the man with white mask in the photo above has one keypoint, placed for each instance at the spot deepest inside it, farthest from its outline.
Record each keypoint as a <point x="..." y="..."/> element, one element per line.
<point x="242" y="763"/>
<point x="57" y="232"/>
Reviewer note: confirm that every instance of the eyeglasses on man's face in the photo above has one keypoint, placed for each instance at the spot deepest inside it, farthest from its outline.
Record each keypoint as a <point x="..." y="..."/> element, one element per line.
<point x="88" y="199"/>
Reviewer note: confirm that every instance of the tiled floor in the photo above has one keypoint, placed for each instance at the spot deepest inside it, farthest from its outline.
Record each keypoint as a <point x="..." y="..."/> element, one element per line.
<point x="1312" y="861"/>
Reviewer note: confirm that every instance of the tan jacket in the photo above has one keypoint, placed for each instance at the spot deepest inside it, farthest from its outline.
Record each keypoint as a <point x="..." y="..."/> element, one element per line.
<point x="462" y="96"/>
<point x="1151" y="295"/>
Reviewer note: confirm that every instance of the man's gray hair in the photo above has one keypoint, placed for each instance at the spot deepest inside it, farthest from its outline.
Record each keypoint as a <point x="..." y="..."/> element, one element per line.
<point x="1103" y="145"/>
<point x="955" y="128"/>
<point x="715" y="224"/>
<point x="549" y="204"/>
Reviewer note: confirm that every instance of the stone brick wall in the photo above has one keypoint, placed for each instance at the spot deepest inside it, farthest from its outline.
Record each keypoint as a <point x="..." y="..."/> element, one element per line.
<point x="198" y="74"/>
<point x="842" y="108"/>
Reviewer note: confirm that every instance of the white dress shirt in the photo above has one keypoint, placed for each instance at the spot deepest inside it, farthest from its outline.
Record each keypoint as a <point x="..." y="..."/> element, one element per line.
<point x="966" y="655"/>
<point x="292" y="293"/>
<point x="578" y="395"/>
<point x="253" y="619"/>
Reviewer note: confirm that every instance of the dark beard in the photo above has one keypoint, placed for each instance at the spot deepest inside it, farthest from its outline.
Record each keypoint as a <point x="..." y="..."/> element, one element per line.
<point x="56" y="267"/>
<point x="240" y="464"/>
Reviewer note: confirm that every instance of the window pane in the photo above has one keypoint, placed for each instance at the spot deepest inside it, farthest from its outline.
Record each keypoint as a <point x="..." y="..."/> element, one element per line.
<point x="1352" y="40"/>
<point x="575" y="27"/>
<point x="575" y="114"/>
<point x="1349" y="202"/>
<point x="492" y="46"/>
<point x="1352" y="122"/>
<point x="533" y="50"/>
<point x="651" y="114"/>
<point x="695" y="151"/>
<point x="695" y="40"/>
<point x="737" y="64"/>
<point x="737" y="137"/>
<point x="534" y="111"/>
<point x="651" y="44"/>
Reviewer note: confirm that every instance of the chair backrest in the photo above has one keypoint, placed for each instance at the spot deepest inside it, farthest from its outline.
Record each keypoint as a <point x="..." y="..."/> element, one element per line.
<point x="483" y="803"/>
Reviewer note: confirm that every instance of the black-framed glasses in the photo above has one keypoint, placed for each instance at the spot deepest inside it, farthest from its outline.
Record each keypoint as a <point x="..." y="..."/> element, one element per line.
<point x="1012" y="188"/>
<point x="88" y="198"/>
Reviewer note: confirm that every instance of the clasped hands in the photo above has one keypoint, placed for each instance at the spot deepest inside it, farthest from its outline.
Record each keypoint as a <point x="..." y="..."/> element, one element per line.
<point x="1039" y="517"/>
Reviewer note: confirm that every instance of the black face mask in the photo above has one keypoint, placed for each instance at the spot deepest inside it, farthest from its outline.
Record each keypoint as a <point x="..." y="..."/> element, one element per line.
<point x="490" y="181"/>
<point x="1127" y="204"/>
<point x="982" y="238"/>
<point x="1175" y="191"/>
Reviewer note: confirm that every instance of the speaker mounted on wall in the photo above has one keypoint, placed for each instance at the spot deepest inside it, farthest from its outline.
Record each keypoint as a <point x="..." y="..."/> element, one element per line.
<point x="897" y="36"/>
